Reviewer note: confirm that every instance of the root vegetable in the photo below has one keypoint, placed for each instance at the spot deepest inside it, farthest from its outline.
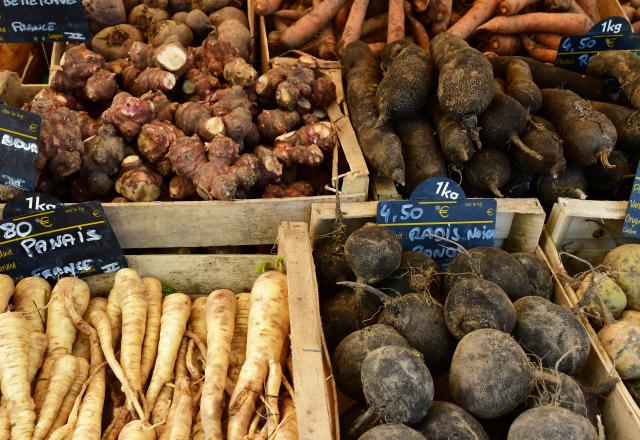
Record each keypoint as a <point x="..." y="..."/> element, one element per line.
<point x="391" y="431"/>
<point x="504" y="44"/>
<point x="604" y="181"/>
<point x="479" y="13"/>
<point x="153" y="294"/>
<point x="239" y="73"/>
<point x="221" y="311"/>
<point x="406" y="83"/>
<point x="462" y="99"/>
<point x="473" y="304"/>
<point x="538" y="51"/>
<point x="492" y="264"/>
<point x="419" y="33"/>
<point x="101" y="86"/>
<point x="397" y="385"/>
<point x="557" y="23"/>
<point x="587" y="134"/>
<point x="114" y="42"/>
<point x="351" y="352"/>
<point x="552" y="333"/>
<point x="199" y="22"/>
<point x="421" y="322"/>
<point x="268" y="327"/>
<point x="137" y="182"/>
<point x="200" y="83"/>
<point x="353" y="27"/>
<point x="565" y="392"/>
<point x="571" y="183"/>
<point x="228" y="13"/>
<point x="488" y="170"/>
<point x="238" y="36"/>
<point x="170" y="56"/>
<point x="142" y="16"/>
<point x="239" y="341"/>
<point x="381" y="147"/>
<point x="161" y="31"/>
<point x="395" y="21"/>
<point x="489" y="374"/>
<point x="538" y="274"/>
<point x="136" y="430"/>
<point x="296" y="189"/>
<point x="521" y="87"/>
<point x="103" y="13"/>
<point x="151" y="79"/>
<point x="37" y="349"/>
<point x="14" y="381"/>
<point x="175" y="314"/>
<point x="541" y="138"/>
<point x="195" y="118"/>
<point x="445" y="420"/>
<point x="155" y="138"/>
<point x="30" y="297"/>
<point x="551" y="422"/>
<point x="180" y="416"/>
<point x="267" y="7"/>
<point x="80" y="376"/>
<point x="631" y="316"/>
<point x="304" y="29"/>
<point x="274" y="123"/>
<point x="590" y="7"/>
<point x="627" y="123"/>
<point x="457" y="145"/>
<point x="622" y="263"/>
<point x="128" y="114"/>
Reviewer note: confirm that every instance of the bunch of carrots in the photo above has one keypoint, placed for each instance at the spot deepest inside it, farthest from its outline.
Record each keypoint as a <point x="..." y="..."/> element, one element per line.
<point x="503" y="27"/>
<point x="140" y="365"/>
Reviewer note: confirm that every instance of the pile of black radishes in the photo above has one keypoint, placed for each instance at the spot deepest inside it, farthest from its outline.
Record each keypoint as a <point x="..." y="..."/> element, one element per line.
<point x="505" y="126"/>
<point x="477" y="351"/>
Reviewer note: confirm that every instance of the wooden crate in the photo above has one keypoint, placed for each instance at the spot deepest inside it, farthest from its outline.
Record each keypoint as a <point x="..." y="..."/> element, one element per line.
<point x="519" y="222"/>
<point x="589" y="229"/>
<point x="198" y="275"/>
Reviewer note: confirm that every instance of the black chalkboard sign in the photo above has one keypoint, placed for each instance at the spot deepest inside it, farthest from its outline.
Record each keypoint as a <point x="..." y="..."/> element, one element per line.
<point x="438" y="209"/>
<point x="612" y="33"/>
<point x="42" y="21"/>
<point x="19" y="140"/>
<point x="75" y="240"/>
<point x="631" y="226"/>
<point x="29" y="202"/>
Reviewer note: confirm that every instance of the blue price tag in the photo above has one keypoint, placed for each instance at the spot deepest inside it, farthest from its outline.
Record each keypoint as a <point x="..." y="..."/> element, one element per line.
<point x="436" y="217"/>
<point x="612" y="33"/>
<point x="631" y="226"/>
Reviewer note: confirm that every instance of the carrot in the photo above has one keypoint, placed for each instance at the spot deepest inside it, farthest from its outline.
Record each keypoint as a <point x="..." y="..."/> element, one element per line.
<point x="82" y="373"/>
<point x="377" y="48"/>
<point x="353" y="27"/>
<point x="420" y="5"/>
<point x="114" y="312"/>
<point x="552" y="41"/>
<point x="62" y="376"/>
<point x="419" y="33"/>
<point x="100" y="321"/>
<point x="137" y="430"/>
<point x="504" y="44"/>
<point x="557" y="23"/>
<point x="6" y="291"/>
<point x="289" y="14"/>
<point x="14" y="372"/>
<point x="239" y="341"/>
<point x="512" y="7"/>
<point x="37" y="349"/>
<point x="440" y="10"/>
<point x="89" y="426"/>
<point x="267" y="330"/>
<point x="374" y="24"/>
<point x="61" y="330"/>
<point x="267" y="7"/>
<point x="395" y="25"/>
<point x="590" y="7"/>
<point x="340" y="20"/>
<point x="538" y="51"/>
<point x="175" y="314"/>
<point x="304" y="29"/>
<point x="221" y="313"/>
<point x="30" y="297"/>
<point x="152" y="329"/>
<point x="288" y="429"/>
<point x="131" y="293"/>
<point x="475" y="16"/>
<point x="327" y="43"/>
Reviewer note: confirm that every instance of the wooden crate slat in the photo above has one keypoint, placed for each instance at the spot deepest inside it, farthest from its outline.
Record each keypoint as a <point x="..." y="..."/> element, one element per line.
<point x="315" y="416"/>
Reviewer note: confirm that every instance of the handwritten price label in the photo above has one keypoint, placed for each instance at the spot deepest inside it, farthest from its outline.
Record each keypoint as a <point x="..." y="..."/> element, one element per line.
<point x="42" y="21"/>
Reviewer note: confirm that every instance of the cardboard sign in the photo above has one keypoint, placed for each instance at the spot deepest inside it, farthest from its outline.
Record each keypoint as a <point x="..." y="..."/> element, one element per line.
<point x="74" y="240"/>
<point x="631" y="226"/>
<point x="19" y="144"/>
<point x="438" y="210"/>
<point x="613" y="33"/>
<point x="29" y="202"/>
<point x="24" y="21"/>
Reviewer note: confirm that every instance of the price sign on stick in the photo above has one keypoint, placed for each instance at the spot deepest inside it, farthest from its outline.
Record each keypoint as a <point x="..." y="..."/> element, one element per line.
<point x="631" y="226"/>
<point x="42" y="21"/>
<point x="19" y="143"/>
<point x="75" y="240"/>
<point x="613" y="33"/>
<point x="437" y="217"/>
